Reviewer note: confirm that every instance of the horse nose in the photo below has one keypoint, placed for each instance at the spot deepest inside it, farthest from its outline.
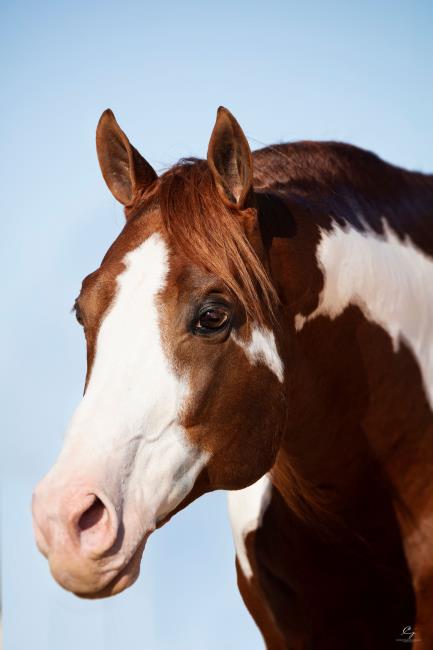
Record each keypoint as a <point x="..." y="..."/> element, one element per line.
<point x="83" y="523"/>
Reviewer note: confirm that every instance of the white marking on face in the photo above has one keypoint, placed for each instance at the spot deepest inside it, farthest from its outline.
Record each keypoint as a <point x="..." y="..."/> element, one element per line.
<point x="126" y="427"/>
<point x="261" y="348"/>
<point x="388" y="279"/>
<point x="246" y="510"/>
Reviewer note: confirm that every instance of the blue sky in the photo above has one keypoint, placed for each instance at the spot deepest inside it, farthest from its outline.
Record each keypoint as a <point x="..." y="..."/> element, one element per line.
<point x="357" y="72"/>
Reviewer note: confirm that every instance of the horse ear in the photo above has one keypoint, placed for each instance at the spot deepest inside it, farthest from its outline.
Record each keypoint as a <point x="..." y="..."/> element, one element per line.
<point x="124" y="169"/>
<point x="230" y="160"/>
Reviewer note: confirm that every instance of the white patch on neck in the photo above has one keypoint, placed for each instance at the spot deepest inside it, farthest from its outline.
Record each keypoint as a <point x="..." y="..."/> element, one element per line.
<point x="388" y="279"/>
<point x="261" y="348"/>
<point x="126" y="428"/>
<point x="246" y="510"/>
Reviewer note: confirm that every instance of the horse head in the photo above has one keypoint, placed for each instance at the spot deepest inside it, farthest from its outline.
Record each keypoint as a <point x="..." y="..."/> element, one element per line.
<point x="184" y="386"/>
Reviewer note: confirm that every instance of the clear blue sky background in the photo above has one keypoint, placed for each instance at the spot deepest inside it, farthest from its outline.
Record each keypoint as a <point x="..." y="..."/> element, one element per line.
<point x="359" y="72"/>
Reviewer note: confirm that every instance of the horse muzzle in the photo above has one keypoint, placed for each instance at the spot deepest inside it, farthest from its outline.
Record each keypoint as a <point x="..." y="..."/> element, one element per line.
<point x="80" y="533"/>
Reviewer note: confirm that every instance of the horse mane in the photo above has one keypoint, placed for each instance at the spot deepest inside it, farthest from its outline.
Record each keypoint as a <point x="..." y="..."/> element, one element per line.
<point x="344" y="184"/>
<point x="308" y="503"/>
<point x="212" y="234"/>
<point x="335" y="181"/>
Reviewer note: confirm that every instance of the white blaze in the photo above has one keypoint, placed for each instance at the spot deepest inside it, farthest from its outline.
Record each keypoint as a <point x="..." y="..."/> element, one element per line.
<point x="127" y="422"/>
<point x="388" y="279"/>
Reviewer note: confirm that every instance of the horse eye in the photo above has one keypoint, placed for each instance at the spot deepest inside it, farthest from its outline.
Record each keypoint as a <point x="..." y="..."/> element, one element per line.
<point x="211" y="319"/>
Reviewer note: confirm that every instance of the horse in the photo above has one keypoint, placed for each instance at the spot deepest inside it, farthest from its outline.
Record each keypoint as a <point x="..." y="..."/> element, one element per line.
<point x="263" y="324"/>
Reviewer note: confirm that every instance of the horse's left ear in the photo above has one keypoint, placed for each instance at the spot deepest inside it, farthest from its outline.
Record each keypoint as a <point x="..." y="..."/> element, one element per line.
<point x="230" y="160"/>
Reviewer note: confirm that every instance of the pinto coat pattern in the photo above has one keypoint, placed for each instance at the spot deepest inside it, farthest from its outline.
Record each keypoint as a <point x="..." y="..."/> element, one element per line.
<point x="263" y="324"/>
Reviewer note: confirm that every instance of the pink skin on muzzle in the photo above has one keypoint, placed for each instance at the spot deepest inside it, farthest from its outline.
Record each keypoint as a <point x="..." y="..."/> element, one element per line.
<point x="80" y="532"/>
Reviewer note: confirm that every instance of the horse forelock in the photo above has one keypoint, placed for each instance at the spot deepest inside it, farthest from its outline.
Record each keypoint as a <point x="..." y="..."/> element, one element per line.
<point x="211" y="234"/>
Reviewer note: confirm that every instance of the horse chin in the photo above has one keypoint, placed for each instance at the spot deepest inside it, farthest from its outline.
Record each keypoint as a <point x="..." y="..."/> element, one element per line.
<point x="130" y="572"/>
<point x="124" y="579"/>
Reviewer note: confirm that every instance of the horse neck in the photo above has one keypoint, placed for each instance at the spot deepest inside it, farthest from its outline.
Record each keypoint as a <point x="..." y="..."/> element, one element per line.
<point x="358" y="332"/>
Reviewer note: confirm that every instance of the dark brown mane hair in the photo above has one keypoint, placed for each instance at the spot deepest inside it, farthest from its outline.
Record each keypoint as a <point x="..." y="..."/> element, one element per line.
<point x="211" y="234"/>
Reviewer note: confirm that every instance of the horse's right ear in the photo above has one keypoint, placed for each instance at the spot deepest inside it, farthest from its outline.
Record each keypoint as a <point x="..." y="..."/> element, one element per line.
<point x="124" y="169"/>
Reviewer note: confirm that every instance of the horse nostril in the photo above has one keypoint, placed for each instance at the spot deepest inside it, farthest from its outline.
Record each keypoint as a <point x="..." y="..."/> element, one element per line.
<point x="95" y="527"/>
<point x="93" y="516"/>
